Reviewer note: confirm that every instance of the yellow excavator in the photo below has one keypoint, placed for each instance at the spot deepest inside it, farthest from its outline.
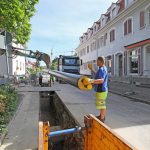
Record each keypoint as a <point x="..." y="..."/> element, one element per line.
<point x="29" y="53"/>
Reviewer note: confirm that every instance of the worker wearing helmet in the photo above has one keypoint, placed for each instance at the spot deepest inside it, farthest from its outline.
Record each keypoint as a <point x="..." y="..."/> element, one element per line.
<point x="100" y="87"/>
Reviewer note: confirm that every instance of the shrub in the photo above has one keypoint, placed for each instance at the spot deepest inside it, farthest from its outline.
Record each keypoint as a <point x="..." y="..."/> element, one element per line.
<point x="8" y="105"/>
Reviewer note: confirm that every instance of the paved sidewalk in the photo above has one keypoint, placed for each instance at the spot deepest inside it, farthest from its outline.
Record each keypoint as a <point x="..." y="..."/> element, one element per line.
<point x="136" y="92"/>
<point x="128" y="118"/>
<point x="23" y="132"/>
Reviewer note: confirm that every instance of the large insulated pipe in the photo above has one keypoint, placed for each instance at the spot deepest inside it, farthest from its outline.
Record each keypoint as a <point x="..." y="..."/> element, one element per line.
<point x="64" y="132"/>
<point x="73" y="79"/>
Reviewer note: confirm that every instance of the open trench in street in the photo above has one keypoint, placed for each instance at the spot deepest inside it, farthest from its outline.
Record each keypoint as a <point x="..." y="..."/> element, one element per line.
<point x="53" y="110"/>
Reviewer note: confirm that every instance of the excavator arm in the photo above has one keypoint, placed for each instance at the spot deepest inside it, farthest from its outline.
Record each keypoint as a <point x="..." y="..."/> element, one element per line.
<point x="30" y="54"/>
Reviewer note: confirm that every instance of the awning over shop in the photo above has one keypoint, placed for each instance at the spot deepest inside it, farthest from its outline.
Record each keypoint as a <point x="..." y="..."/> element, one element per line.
<point x="137" y="44"/>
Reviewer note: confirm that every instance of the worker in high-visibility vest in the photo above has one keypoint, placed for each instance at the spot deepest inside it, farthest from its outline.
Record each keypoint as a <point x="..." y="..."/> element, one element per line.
<point x="100" y="86"/>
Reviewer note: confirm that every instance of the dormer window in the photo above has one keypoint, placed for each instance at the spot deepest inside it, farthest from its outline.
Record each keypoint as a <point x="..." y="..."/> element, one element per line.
<point x="108" y="17"/>
<point x="99" y="26"/>
<point x="103" y="21"/>
<point x="113" y="12"/>
<point x="86" y="37"/>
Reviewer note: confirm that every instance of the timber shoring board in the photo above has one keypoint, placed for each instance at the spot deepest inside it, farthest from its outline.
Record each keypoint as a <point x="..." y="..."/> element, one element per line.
<point x="100" y="137"/>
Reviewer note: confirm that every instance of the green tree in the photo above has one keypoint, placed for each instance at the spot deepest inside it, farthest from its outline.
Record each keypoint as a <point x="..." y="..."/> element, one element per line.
<point x="15" y="18"/>
<point x="54" y="64"/>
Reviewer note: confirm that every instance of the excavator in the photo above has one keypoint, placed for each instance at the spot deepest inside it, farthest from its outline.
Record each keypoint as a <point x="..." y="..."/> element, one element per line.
<point x="29" y="53"/>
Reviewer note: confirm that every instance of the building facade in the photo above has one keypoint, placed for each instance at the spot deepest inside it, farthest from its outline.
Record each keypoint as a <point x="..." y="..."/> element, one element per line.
<point x="16" y="63"/>
<point x="122" y="36"/>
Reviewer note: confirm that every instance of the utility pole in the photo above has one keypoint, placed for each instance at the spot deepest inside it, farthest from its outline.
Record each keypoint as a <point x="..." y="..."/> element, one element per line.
<point x="7" y="61"/>
<point x="51" y="54"/>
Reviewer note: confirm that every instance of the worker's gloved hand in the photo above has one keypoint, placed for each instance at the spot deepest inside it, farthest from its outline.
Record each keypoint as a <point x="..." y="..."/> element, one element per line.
<point x="90" y="66"/>
<point x="91" y="80"/>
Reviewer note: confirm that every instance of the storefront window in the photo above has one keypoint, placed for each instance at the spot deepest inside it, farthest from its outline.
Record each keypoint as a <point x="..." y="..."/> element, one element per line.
<point x="133" y="61"/>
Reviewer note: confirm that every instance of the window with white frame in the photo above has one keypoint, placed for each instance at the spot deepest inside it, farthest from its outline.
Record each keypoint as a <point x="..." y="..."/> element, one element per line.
<point x="94" y="45"/>
<point x="84" y="51"/>
<point x="112" y="35"/>
<point x="17" y="67"/>
<point x="87" y="49"/>
<point x="23" y="67"/>
<point x="20" y="66"/>
<point x="102" y="41"/>
<point x="98" y="45"/>
<point x="105" y="38"/>
<point x="128" y="26"/>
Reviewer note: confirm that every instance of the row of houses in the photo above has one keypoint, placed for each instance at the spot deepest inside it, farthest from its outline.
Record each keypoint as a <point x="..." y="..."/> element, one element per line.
<point x="122" y="36"/>
<point x="16" y="63"/>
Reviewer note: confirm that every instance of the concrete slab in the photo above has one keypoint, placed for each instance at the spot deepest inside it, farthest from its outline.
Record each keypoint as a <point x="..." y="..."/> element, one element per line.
<point x="23" y="132"/>
<point x="128" y="118"/>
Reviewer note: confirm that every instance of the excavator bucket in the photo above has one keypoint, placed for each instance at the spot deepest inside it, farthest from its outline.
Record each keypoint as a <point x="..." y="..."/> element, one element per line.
<point x="46" y="59"/>
<point x="30" y="54"/>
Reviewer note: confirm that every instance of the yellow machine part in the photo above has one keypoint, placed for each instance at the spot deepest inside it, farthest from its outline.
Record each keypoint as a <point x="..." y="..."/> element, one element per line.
<point x="83" y="84"/>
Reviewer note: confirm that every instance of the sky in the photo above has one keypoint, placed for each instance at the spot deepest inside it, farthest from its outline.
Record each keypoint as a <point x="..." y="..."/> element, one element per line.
<point x="58" y="24"/>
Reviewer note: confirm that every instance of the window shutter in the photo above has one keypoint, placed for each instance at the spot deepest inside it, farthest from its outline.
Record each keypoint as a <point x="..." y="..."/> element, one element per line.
<point x="113" y="34"/>
<point x="142" y="19"/>
<point x="129" y="26"/>
<point x="125" y="28"/>
<point x="110" y="36"/>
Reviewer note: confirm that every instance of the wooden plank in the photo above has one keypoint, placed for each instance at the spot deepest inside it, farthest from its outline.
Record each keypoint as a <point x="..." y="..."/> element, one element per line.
<point x="110" y="136"/>
<point x="85" y="139"/>
<point x="116" y="139"/>
<point x="46" y="131"/>
<point x="41" y="139"/>
<point x="89" y="139"/>
<point x="104" y="138"/>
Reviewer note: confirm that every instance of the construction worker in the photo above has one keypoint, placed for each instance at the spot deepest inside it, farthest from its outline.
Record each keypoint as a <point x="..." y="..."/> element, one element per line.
<point x="52" y="79"/>
<point x="100" y="87"/>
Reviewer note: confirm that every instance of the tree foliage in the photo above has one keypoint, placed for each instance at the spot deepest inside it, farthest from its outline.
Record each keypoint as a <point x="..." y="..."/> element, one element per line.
<point x="15" y="17"/>
<point x="8" y="105"/>
<point x="54" y="64"/>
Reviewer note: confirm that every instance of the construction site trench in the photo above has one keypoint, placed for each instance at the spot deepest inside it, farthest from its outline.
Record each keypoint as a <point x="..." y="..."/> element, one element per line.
<point x="53" y="110"/>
